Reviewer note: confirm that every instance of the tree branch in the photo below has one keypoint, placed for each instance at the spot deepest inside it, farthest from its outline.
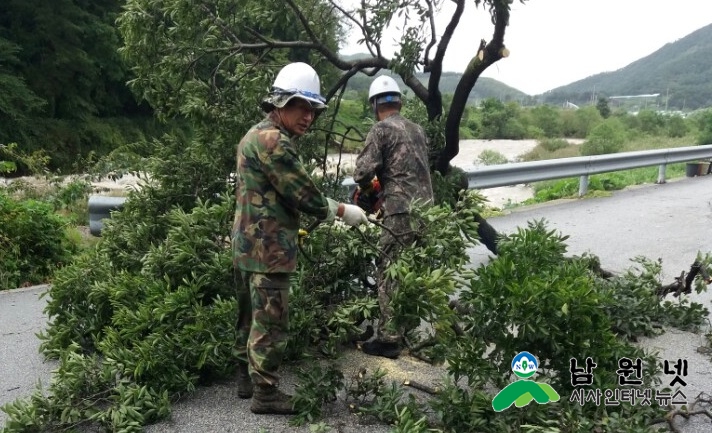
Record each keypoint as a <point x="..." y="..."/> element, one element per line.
<point x="317" y="43"/>
<point x="434" y="102"/>
<point x="417" y="87"/>
<point x="433" y="36"/>
<point x="368" y="40"/>
<point x="487" y="55"/>
<point x="367" y="34"/>
<point x="356" y="67"/>
<point x="225" y="29"/>
<point x="447" y="36"/>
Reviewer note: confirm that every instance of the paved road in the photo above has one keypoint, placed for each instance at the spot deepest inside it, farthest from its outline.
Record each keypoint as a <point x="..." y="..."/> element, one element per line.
<point x="671" y="221"/>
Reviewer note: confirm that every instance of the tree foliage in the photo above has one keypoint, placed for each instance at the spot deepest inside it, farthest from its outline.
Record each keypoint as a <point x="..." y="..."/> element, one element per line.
<point x="62" y="80"/>
<point x="607" y="137"/>
<point x="149" y="314"/>
<point x="18" y="103"/>
<point x="603" y="108"/>
<point x="313" y="32"/>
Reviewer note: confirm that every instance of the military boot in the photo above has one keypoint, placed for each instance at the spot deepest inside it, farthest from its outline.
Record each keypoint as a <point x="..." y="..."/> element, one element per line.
<point x="244" y="382"/>
<point x="267" y="399"/>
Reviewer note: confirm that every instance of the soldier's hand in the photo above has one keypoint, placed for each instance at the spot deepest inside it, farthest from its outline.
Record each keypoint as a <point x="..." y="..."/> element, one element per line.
<point x="353" y="215"/>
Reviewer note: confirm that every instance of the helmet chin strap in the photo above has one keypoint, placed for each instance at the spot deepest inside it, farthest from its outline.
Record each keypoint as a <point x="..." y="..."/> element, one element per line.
<point x="278" y="117"/>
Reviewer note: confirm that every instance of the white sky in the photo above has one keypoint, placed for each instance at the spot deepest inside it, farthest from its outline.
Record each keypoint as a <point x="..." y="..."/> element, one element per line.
<point x="556" y="42"/>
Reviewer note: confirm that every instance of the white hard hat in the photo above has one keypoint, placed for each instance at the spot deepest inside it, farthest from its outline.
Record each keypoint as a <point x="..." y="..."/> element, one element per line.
<point x="296" y="80"/>
<point x="384" y="85"/>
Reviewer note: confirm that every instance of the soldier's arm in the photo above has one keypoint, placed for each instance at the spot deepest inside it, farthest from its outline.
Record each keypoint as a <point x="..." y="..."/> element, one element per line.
<point x="292" y="182"/>
<point x="370" y="160"/>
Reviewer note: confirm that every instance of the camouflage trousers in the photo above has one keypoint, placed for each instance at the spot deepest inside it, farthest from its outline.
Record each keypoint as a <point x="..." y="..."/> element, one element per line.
<point x="399" y="224"/>
<point x="263" y="323"/>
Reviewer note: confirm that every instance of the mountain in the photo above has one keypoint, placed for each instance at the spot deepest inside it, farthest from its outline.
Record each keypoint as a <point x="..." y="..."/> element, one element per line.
<point x="678" y="76"/>
<point x="680" y="73"/>
<point x="484" y="88"/>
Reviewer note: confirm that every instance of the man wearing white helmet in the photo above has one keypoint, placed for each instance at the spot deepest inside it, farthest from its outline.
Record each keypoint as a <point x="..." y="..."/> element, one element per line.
<point x="396" y="152"/>
<point x="273" y="187"/>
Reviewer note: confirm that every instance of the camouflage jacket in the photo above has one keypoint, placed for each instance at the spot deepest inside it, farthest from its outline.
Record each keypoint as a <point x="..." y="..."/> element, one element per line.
<point x="272" y="188"/>
<point x="397" y="152"/>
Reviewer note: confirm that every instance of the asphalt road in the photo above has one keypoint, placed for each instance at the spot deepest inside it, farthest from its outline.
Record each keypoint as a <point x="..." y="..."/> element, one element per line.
<point x="671" y="221"/>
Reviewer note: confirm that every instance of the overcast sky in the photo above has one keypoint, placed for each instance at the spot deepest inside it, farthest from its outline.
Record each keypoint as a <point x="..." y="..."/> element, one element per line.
<point x="557" y="42"/>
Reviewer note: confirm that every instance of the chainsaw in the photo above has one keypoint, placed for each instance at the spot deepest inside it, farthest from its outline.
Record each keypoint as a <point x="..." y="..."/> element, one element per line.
<point x="370" y="199"/>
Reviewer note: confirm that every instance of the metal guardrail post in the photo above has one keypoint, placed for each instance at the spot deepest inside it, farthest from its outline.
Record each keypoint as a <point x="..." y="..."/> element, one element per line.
<point x="583" y="185"/>
<point x="661" y="174"/>
<point x="100" y="207"/>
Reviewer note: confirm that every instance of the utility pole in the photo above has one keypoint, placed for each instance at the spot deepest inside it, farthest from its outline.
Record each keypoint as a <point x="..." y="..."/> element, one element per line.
<point x="593" y="95"/>
<point x="667" y="98"/>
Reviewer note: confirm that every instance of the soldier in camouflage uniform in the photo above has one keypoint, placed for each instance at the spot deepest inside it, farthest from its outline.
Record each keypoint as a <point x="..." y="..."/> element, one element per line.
<point x="396" y="151"/>
<point x="272" y="189"/>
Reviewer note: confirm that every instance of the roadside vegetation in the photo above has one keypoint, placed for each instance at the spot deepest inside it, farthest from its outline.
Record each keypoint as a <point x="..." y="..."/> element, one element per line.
<point x="145" y="367"/>
<point x="145" y="314"/>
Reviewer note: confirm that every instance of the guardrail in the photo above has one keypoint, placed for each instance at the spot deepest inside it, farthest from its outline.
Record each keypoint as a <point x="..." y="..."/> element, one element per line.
<point x="100" y="208"/>
<point x="492" y="176"/>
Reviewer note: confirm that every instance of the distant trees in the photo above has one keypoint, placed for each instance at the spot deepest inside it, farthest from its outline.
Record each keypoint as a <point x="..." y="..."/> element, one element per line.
<point x="547" y="119"/>
<point x="704" y="123"/>
<point x="500" y="120"/>
<point x="603" y="108"/>
<point x="18" y="103"/>
<point x="578" y="123"/>
<point x="494" y="119"/>
<point x="607" y="137"/>
<point x="676" y="126"/>
<point x="61" y="77"/>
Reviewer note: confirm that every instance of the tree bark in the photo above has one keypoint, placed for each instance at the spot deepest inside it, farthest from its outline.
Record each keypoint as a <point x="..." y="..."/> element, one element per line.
<point x="486" y="56"/>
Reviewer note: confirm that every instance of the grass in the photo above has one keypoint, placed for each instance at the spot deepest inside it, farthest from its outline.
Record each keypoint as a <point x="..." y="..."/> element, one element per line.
<point x="606" y="182"/>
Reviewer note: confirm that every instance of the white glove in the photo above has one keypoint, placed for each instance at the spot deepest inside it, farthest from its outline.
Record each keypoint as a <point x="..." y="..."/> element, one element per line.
<point x="353" y="215"/>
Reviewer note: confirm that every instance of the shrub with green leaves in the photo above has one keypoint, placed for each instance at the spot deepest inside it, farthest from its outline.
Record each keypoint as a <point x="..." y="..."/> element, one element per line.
<point x="553" y="144"/>
<point x="534" y="298"/>
<point x="704" y="126"/>
<point x="606" y="137"/>
<point x="491" y="157"/>
<point x="33" y="242"/>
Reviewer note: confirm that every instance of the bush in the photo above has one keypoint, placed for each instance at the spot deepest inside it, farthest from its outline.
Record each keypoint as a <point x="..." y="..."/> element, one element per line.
<point x="553" y="144"/>
<point x="608" y="137"/>
<point x="534" y="298"/>
<point x="491" y="157"/>
<point x="33" y="242"/>
<point x="676" y="126"/>
<point x="704" y="121"/>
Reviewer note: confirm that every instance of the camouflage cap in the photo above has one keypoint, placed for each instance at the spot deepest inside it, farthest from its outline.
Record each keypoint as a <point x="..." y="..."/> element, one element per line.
<point x="279" y="98"/>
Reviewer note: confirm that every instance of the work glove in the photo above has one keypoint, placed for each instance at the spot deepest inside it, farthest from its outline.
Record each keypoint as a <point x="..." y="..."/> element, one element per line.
<point x="353" y="215"/>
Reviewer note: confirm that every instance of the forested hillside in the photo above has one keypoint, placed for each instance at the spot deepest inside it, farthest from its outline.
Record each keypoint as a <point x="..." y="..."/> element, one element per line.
<point x="62" y="82"/>
<point x="484" y="89"/>
<point x="680" y="72"/>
